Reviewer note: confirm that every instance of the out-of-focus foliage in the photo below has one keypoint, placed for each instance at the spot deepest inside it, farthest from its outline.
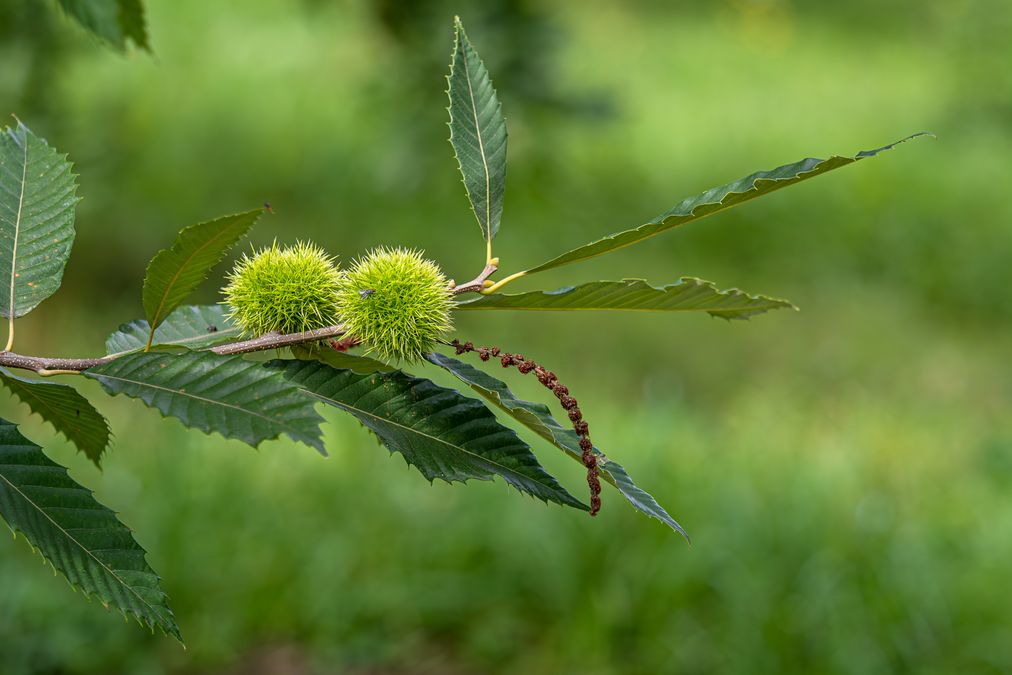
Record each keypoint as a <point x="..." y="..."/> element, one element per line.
<point x="846" y="471"/>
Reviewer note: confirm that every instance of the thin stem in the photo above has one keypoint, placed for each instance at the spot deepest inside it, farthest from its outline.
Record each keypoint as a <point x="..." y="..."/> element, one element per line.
<point x="10" y="332"/>
<point x="499" y="284"/>
<point x="60" y="366"/>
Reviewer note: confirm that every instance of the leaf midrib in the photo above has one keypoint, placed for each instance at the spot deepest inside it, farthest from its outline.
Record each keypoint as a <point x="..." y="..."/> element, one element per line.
<point x="17" y="235"/>
<point x="481" y="145"/>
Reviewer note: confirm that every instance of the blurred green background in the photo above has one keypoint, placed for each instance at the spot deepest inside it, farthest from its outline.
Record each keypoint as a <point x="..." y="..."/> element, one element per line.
<point x="845" y="471"/>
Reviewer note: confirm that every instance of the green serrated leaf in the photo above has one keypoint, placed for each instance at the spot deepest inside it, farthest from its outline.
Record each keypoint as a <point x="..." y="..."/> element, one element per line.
<point x="189" y="326"/>
<point x="37" y="199"/>
<point x="82" y="539"/>
<point x="132" y="24"/>
<point x="712" y="201"/>
<point x="62" y="406"/>
<point x="440" y="432"/>
<point x="341" y="360"/>
<point x="686" y="295"/>
<point x="477" y="133"/>
<point x="114" y="21"/>
<point x="538" y="418"/>
<point x="228" y="394"/>
<point x="175" y="272"/>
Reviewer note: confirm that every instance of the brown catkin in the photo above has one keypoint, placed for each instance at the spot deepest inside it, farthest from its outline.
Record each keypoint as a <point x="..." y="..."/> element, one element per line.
<point x="549" y="380"/>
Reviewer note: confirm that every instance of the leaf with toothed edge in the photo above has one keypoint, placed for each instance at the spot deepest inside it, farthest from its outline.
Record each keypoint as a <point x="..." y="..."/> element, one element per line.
<point x="82" y="539"/>
<point x="189" y="326"/>
<point x="714" y="200"/>
<point x="477" y="133"/>
<point x="66" y="409"/>
<point x="686" y="295"/>
<point x="175" y="272"/>
<point x="237" y="398"/>
<point x="38" y="195"/>
<point x="538" y="418"/>
<point x="440" y="432"/>
<point x="341" y="360"/>
<point x="114" y="21"/>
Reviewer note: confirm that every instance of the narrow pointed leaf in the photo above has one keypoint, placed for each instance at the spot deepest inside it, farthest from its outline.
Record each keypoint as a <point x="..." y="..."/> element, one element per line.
<point x="114" y="21"/>
<point x="477" y="133"/>
<point x="686" y="295"/>
<point x="62" y="406"/>
<point x="37" y="200"/>
<point x="82" y="539"/>
<point x="189" y="326"/>
<point x="712" y="201"/>
<point x="175" y="272"/>
<point x="538" y="418"/>
<point x="440" y="432"/>
<point x="237" y="398"/>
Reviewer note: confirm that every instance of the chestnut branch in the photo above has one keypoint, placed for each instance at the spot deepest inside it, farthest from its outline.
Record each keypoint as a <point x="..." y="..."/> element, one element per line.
<point x="62" y="366"/>
<point x="480" y="282"/>
<point x="69" y="366"/>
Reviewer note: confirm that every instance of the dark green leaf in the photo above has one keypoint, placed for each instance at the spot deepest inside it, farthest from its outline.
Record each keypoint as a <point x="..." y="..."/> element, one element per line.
<point x="237" y="398"/>
<point x="477" y="133"/>
<point x="37" y="199"/>
<point x="442" y="433"/>
<point x="686" y="295"/>
<point x="190" y="326"/>
<point x="114" y="21"/>
<point x="62" y="406"/>
<point x="340" y="360"/>
<point x="712" y="201"/>
<point x="81" y="538"/>
<point x="538" y="418"/>
<point x="132" y="24"/>
<point x="175" y="272"/>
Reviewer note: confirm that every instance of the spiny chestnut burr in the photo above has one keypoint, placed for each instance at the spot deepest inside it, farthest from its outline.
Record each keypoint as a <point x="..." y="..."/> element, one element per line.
<point x="287" y="289"/>
<point x="395" y="302"/>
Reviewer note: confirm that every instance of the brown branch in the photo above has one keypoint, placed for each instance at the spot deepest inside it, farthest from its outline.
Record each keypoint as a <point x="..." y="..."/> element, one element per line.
<point x="55" y="366"/>
<point x="277" y="340"/>
<point x="58" y="366"/>
<point x="477" y="284"/>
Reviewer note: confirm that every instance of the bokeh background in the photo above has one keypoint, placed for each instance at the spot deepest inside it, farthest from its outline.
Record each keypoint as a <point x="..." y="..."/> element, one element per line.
<point x="845" y="471"/>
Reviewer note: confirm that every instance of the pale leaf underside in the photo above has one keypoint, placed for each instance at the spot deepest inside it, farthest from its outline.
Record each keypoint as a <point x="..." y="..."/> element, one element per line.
<point x="189" y="326"/>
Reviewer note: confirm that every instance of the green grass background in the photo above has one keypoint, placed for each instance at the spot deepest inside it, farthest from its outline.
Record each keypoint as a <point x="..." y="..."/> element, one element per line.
<point x="845" y="471"/>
